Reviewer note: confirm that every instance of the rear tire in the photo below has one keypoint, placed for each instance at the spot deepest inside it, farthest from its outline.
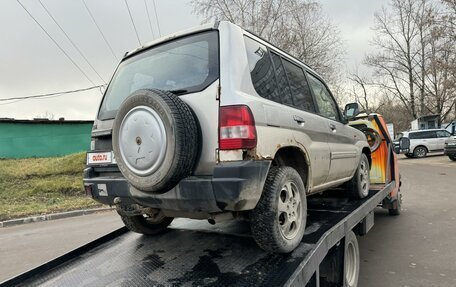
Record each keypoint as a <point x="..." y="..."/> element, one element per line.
<point x="408" y="155"/>
<point x="147" y="225"/>
<point x="420" y="152"/>
<point x="351" y="260"/>
<point x="155" y="140"/>
<point x="358" y="186"/>
<point x="279" y="219"/>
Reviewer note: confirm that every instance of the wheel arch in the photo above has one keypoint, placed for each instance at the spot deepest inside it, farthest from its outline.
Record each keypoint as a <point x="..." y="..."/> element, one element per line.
<point x="296" y="158"/>
<point x="367" y="151"/>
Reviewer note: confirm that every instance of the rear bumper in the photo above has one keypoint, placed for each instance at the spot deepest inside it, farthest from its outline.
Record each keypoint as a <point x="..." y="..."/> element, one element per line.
<point x="234" y="186"/>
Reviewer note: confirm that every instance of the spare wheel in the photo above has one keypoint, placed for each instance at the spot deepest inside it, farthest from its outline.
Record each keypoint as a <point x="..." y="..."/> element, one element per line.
<point x="155" y="140"/>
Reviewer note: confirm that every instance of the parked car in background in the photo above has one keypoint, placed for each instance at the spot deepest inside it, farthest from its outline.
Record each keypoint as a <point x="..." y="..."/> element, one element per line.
<point x="423" y="142"/>
<point x="450" y="147"/>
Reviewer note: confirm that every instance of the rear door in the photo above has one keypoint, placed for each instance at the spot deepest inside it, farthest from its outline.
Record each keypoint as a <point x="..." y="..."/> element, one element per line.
<point x="287" y="107"/>
<point x="306" y="124"/>
<point x="341" y="138"/>
<point x="428" y="139"/>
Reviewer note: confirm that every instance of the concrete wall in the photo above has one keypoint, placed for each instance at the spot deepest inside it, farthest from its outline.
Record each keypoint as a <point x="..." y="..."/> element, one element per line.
<point x="29" y="139"/>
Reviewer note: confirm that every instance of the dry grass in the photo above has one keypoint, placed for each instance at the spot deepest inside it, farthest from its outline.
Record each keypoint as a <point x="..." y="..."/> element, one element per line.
<point x="37" y="186"/>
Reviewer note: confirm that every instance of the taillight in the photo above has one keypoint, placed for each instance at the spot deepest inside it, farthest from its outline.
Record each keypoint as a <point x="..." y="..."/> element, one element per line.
<point x="237" y="128"/>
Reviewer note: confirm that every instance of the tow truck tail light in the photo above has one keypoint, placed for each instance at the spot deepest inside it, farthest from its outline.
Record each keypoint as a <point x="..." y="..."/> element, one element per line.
<point x="236" y="128"/>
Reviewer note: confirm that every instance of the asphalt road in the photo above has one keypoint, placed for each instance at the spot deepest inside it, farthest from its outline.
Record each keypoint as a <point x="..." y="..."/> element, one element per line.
<point x="26" y="246"/>
<point x="417" y="248"/>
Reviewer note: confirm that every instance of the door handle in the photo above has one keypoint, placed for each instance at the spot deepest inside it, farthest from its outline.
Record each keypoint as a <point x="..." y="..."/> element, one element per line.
<point x="332" y="127"/>
<point x="299" y="120"/>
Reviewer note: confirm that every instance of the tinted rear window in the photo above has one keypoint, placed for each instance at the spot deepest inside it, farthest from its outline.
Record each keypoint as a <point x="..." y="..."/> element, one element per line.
<point x="262" y="71"/>
<point x="188" y="64"/>
<point x="300" y="91"/>
<point x="422" y="135"/>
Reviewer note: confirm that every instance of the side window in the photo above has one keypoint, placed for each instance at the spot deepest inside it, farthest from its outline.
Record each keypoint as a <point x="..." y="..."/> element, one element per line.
<point x="443" y="134"/>
<point x="282" y="79"/>
<point x="262" y="70"/>
<point x="414" y="136"/>
<point x="326" y="105"/>
<point x="431" y="135"/>
<point x="300" y="91"/>
<point x="426" y="135"/>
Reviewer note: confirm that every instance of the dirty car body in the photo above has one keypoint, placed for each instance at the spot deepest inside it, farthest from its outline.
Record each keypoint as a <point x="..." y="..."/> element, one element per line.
<point x="293" y="120"/>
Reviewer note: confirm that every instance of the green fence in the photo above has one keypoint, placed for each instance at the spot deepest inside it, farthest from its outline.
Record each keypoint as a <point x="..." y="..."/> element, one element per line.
<point x="30" y="139"/>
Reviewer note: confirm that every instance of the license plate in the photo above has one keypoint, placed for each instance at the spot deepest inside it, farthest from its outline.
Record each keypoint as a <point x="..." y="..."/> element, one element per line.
<point x="451" y="144"/>
<point x="94" y="158"/>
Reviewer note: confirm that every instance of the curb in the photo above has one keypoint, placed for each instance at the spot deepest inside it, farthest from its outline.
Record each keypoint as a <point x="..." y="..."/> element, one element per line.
<point x="52" y="216"/>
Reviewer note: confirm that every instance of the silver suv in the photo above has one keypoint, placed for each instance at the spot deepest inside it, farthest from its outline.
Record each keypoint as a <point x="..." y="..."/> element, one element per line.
<point x="215" y="123"/>
<point x="423" y="142"/>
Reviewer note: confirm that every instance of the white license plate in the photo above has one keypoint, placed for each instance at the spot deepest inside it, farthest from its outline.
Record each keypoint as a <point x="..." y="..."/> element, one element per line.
<point x="100" y="158"/>
<point x="451" y="144"/>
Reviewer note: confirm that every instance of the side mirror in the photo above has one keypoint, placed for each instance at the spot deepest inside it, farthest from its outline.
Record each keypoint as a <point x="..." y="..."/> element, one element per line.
<point x="351" y="111"/>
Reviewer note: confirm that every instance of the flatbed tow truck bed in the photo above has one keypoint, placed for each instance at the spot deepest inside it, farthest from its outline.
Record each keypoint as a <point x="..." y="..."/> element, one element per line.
<point x="195" y="253"/>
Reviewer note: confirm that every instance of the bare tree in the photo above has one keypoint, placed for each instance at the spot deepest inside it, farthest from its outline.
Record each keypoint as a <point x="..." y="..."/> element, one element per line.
<point x="416" y="59"/>
<point x="394" y="65"/>
<point x="359" y="90"/>
<point x="296" y="26"/>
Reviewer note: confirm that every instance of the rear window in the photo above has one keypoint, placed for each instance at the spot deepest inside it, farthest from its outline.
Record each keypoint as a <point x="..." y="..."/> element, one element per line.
<point x="185" y="65"/>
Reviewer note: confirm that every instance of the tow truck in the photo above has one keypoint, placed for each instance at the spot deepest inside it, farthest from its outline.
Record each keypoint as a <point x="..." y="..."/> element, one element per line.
<point x="196" y="253"/>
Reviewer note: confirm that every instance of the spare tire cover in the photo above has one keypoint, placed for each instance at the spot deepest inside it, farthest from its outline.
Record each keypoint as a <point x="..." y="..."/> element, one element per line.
<point x="155" y="140"/>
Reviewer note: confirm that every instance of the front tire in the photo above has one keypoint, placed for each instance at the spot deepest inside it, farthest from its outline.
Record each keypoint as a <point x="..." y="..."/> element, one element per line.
<point x="279" y="219"/>
<point x="358" y="186"/>
<point x="145" y="224"/>
<point x="452" y="157"/>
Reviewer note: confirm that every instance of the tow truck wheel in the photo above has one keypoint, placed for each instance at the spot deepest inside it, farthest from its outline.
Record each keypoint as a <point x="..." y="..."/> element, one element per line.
<point x="351" y="260"/>
<point x="146" y="224"/>
<point x="396" y="210"/>
<point x="279" y="219"/>
<point x="358" y="186"/>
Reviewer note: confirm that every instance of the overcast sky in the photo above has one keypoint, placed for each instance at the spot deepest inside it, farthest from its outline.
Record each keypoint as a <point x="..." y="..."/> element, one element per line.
<point x="31" y="64"/>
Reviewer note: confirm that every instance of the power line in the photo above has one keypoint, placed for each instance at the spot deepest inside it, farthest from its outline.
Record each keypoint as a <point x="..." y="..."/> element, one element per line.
<point x="55" y="42"/>
<point x="50" y="95"/>
<point x="156" y="18"/>
<point x="99" y="30"/>
<point x="150" y="22"/>
<point x="132" y="22"/>
<point x="69" y="39"/>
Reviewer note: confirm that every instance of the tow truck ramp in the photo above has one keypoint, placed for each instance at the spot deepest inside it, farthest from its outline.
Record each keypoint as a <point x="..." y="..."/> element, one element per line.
<point x="195" y="253"/>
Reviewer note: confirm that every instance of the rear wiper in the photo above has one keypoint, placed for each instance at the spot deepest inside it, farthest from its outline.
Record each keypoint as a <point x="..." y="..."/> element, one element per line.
<point x="178" y="92"/>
